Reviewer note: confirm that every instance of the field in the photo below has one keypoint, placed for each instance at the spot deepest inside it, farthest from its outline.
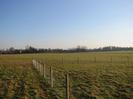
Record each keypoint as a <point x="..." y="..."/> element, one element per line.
<point x="95" y="75"/>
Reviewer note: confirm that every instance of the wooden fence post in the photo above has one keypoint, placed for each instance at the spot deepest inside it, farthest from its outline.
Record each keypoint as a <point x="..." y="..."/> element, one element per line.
<point x="62" y="60"/>
<point x="67" y="87"/>
<point x="44" y="71"/>
<point x="41" y="69"/>
<point x="111" y="59"/>
<point x="128" y="60"/>
<point x="37" y="66"/>
<point x="33" y="64"/>
<point x="5" y="87"/>
<point x="77" y="60"/>
<point x="51" y="77"/>
<point x="95" y="59"/>
<point x="121" y="59"/>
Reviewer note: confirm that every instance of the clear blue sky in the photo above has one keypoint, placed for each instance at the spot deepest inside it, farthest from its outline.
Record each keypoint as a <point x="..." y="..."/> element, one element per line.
<point x="66" y="23"/>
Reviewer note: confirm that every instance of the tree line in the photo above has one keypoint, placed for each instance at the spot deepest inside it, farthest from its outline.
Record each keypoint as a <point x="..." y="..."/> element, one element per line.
<point x="30" y="49"/>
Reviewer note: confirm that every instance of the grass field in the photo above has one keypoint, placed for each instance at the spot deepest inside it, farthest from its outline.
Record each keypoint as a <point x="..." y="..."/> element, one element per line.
<point x="97" y="75"/>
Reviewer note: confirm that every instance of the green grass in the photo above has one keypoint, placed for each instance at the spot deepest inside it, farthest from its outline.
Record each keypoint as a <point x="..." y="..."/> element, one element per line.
<point x="104" y="75"/>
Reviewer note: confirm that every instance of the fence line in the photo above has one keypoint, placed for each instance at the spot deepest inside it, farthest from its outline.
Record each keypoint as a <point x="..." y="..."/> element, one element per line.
<point x="41" y="68"/>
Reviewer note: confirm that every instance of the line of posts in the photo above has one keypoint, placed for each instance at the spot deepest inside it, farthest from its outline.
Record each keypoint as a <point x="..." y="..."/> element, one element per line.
<point x="41" y="68"/>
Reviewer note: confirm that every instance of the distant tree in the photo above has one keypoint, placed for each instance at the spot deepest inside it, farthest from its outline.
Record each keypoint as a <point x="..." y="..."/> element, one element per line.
<point x="30" y="49"/>
<point x="81" y="48"/>
<point x="11" y="49"/>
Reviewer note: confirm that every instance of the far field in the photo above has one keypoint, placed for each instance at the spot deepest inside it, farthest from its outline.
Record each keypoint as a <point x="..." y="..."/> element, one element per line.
<point x="93" y="75"/>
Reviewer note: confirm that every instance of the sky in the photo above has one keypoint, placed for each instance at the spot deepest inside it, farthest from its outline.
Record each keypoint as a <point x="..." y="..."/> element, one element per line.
<point x="66" y="23"/>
